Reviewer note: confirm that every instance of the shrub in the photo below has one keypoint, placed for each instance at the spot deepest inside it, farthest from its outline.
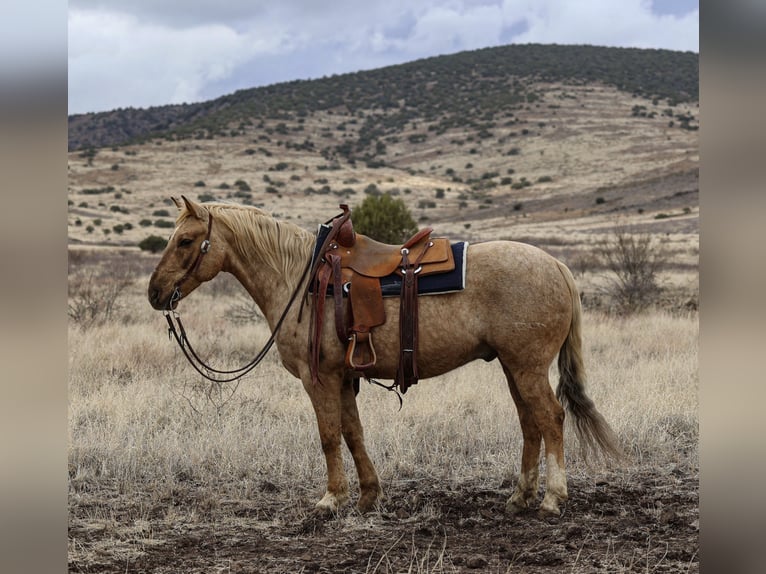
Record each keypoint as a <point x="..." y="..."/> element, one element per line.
<point x="153" y="244"/>
<point x="161" y="213"/>
<point x="94" y="299"/>
<point x="242" y="185"/>
<point x="634" y="262"/>
<point x="385" y="219"/>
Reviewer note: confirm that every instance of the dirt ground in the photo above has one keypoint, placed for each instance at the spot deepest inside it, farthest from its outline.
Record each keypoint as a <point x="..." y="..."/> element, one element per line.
<point x="645" y="521"/>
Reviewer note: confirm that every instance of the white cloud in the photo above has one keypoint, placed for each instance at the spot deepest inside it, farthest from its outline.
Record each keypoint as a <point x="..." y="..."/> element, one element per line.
<point x="142" y="52"/>
<point x="628" y="23"/>
<point x="116" y="61"/>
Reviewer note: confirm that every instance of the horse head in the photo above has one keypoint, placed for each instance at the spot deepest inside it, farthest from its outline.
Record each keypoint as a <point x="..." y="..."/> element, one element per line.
<point x="191" y="257"/>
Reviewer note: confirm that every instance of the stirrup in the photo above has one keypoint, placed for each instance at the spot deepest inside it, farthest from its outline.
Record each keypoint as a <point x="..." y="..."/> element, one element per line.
<point x="351" y="351"/>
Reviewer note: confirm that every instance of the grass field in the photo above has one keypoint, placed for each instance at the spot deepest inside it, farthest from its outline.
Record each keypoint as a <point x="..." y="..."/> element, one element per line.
<point x="140" y="414"/>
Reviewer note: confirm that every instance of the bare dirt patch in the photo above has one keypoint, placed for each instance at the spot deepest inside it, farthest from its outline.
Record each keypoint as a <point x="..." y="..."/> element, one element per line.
<point x="644" y="521"/>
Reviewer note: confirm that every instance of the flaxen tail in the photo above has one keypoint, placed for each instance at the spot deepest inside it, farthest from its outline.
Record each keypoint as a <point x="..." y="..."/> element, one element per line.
<point x="592" y="429"/>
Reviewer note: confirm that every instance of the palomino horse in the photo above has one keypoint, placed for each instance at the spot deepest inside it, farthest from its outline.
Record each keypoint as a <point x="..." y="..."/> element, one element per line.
<point x="519" y="305"/>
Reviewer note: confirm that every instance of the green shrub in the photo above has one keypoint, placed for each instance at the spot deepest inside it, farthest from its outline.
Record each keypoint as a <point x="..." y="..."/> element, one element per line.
<point x="385" y="219"/>
<point x="153" y="243"/>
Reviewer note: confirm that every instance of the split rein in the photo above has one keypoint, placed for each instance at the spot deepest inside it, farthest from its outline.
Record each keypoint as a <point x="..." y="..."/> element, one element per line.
<point x="177" y="331"/>
<point x="176" y="328"/>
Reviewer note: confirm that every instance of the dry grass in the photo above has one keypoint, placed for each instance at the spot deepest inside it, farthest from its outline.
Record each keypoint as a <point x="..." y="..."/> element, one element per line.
<point x="140" y="419"/>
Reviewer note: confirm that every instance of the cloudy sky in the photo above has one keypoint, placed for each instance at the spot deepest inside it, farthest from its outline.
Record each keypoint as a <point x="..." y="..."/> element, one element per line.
<point x="140" y="53"/>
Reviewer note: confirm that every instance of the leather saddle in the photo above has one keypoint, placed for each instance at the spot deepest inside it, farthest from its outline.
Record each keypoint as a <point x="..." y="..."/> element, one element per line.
<point x="353" y="265"/>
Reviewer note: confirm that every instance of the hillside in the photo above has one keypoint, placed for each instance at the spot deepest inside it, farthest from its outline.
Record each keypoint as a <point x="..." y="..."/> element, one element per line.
<point x="461" y="89"/>
<point x="561" y="167"/>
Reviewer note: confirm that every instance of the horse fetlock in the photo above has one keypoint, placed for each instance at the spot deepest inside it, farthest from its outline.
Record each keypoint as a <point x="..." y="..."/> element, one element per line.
<point x="332" y="501"/>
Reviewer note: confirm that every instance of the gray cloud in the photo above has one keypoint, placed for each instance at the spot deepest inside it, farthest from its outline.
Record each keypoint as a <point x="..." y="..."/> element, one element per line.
<point x="142" y="52"/>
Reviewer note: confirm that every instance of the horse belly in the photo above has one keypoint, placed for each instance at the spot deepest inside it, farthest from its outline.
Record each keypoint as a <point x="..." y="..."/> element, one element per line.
<point x="448" y="337"/>
<point x="515" y="301"/>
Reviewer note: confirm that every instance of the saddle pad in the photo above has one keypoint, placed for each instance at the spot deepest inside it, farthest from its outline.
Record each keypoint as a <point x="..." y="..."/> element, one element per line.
<point x="454" y="280"/>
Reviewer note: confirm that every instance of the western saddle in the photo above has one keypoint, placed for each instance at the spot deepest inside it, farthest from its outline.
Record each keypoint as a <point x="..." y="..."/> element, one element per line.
<point x="353" y="264"/>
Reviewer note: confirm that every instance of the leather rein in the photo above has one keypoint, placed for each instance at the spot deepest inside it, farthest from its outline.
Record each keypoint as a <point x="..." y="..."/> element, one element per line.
<point x="179" y="333"/>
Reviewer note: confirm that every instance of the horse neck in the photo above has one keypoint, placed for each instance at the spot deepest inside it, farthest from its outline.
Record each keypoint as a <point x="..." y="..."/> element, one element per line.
<point x="270" y="281"/>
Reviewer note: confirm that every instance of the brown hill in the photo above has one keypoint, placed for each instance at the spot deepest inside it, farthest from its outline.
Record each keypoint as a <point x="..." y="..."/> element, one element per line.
<point x="560" y="168"/>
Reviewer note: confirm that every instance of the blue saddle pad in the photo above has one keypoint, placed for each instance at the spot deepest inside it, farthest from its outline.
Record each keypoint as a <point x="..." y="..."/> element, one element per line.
<point x="433" y="284"/>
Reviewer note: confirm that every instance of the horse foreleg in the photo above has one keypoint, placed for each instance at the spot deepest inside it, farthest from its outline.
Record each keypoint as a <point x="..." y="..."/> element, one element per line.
<point x="353" y="434"/>
<point x="326" y="400"/>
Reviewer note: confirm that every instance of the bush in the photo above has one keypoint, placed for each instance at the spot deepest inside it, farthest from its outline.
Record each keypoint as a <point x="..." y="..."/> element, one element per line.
<point x="164" y="223"/>
<point x="385" y="219"/>
<point x="153" y="243"/>
<point x="634" y="261"/>
<point x="93" y="299"/>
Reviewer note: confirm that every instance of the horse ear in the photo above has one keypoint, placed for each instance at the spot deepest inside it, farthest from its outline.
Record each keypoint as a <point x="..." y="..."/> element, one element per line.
<point x="178" y="202"/>
<point x="195" y="208"/>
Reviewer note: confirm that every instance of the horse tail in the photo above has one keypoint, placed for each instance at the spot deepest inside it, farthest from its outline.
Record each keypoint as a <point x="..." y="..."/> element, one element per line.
<point x="593" y="432"/>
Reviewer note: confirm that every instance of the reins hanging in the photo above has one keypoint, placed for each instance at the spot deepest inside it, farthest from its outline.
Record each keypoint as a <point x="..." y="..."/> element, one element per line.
<point x="211" y="373"/>
<point x="179" y="333"/>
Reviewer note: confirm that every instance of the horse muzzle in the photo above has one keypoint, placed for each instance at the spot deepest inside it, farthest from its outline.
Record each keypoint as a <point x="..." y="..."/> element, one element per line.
<point x="162" y="302"/>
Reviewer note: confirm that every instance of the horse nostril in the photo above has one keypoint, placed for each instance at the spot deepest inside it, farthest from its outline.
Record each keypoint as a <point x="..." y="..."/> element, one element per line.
<point x="154" y="296"/>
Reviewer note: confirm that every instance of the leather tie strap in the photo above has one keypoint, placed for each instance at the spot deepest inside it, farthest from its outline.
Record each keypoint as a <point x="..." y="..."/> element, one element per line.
<point x="337" y="293"/>
<point x="407" y="371"/>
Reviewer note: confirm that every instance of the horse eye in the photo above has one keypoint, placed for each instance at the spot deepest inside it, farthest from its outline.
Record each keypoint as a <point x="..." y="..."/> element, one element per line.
<point x="185" y="242"/>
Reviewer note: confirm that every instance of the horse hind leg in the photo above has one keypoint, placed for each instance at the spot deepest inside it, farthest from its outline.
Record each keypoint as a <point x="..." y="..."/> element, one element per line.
<point x="541" y="417"/>
<point x="353" y="434"/>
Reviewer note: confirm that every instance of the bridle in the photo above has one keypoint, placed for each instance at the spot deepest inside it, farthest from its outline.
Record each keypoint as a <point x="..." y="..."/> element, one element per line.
<point x="203" y="249"/>
<point x="179" y="333"/>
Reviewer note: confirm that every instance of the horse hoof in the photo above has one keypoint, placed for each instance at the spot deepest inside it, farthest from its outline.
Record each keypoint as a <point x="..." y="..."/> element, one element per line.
<point x="368" y="503"/>
<point x="513" y="507"/>
<point x="550" y="509"/>
<point x="330" y="503"/>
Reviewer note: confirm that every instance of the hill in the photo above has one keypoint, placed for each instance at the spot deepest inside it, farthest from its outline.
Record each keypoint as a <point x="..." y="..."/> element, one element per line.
<point x="468" y="87"/>
<point x="557" y="163"/>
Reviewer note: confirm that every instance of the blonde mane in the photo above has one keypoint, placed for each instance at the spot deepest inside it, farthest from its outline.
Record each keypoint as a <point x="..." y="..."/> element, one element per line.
<point x="281" y="245"/>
